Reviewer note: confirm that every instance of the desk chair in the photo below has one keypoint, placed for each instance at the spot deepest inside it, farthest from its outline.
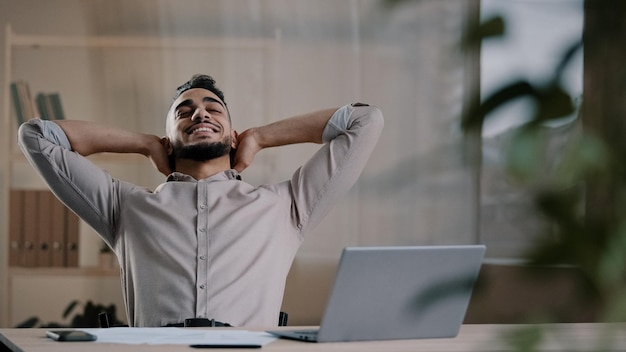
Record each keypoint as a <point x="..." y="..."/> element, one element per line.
<point x="103" y="318"/>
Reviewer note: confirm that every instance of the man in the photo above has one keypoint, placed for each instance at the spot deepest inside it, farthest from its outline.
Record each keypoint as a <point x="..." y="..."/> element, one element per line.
<point x="204" y="244"/>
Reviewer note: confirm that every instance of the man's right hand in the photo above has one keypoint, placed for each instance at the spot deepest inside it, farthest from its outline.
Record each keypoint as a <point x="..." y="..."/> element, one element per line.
<point x="158" y="155"/>
<point x="247" y="148"/>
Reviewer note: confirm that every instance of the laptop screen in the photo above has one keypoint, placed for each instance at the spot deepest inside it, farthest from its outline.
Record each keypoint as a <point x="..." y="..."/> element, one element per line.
<point x="400" y="292"/>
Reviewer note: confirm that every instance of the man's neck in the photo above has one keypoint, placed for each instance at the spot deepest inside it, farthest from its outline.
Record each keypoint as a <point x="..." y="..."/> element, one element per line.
<point x="203" y="169"/>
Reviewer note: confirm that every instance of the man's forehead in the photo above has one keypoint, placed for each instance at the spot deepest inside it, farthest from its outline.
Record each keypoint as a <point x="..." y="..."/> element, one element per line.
<point x="197" y="94"/>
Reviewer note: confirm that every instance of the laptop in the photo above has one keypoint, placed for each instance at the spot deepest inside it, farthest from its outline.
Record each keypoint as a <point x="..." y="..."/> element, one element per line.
<point x="384" y="293"/>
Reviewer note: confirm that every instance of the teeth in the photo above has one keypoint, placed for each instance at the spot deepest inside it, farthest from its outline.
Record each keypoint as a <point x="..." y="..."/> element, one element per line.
<point x="203" y="129"/>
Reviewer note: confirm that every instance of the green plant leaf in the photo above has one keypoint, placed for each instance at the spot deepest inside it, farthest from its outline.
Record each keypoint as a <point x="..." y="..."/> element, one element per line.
<point x="612" y="265"/>
<point x="553" y="103"/>
<point x="28" y="323"/>
<point x="493" y="27"/>
<point x="567" y="57"/>
<point x="525" y="155"/>
<point x="69" y="308"/>
<point x="525" y="339"/>
<point x="490" y="28"/>
<point x="476" y="114"/>
<point x="587" y="155"/>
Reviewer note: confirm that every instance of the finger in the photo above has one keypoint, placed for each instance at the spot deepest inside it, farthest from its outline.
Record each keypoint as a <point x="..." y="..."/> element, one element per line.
<point x="238" y="167"/>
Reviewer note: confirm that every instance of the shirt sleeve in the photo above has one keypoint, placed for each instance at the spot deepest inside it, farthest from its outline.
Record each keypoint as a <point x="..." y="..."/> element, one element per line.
<point x="82" y="186"/>
<point x="350" y="137"/>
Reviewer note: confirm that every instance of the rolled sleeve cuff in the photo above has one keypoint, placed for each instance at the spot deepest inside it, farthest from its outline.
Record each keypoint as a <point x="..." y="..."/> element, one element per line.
<point x="54" y="133"/>
<point x="338" y="123"/>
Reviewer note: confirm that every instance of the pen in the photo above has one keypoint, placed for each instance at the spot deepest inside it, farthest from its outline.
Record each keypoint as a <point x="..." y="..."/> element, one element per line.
<point x="225" y="346"/>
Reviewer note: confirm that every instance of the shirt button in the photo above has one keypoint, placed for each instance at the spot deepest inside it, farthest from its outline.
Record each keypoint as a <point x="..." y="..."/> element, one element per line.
<point x="202" y="257"/>
<point x="202" y="206"/>
<point x="202" y="287"/>
<point x="202" y="229"/>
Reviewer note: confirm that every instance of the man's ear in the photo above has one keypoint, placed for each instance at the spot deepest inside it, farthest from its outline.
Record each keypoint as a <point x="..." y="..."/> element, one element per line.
<point x="234" y="139"/>
<point x="165" y="142"/>
<point x="167" y="145"/>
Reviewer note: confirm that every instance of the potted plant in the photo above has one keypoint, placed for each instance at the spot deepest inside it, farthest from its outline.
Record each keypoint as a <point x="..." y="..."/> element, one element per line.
<point x="88" y="318"/>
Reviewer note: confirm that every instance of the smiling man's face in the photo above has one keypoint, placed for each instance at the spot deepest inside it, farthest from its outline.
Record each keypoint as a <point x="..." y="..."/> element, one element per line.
<point x="198" y="122"/>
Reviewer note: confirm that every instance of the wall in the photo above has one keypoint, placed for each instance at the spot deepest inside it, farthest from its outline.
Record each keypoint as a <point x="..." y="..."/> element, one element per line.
<point x="418" y="187"/>
<point x="27" y="292"/>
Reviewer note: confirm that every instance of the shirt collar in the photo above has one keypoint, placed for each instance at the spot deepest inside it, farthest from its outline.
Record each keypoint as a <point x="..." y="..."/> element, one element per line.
<point x="222" y="176"/>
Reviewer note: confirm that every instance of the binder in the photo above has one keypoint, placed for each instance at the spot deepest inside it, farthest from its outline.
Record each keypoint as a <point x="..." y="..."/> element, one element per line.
<point x="43" y="232"/>
<point x="30" y="227"/>
<point x="16" y="223"/>
<point x="57" y="232"/>
<point x="71" y="239"/>
<point x="44" y="219"/>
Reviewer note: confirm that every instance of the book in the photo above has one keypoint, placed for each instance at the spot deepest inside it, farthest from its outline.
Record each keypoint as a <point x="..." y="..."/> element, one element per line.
<point x="44" y="234"/>
<point x="47" y="106"/>
<point x="26" y="101"/>
<point x="44" y="108"/>
<point x="17" y="103"/>
<point x="16" y="227"/>
<point x="30" y="228"/>
<point x="57" y="108"/>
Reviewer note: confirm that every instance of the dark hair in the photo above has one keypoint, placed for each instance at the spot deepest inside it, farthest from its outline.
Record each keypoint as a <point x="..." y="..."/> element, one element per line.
<point x="200" y="81"/>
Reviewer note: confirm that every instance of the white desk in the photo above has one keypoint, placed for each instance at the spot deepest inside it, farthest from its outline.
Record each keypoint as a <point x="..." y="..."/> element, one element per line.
<point x="484" y="338"/>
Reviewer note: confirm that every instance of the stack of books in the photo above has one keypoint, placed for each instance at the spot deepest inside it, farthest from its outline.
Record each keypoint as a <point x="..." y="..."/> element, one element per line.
<point x="46" y="106"/>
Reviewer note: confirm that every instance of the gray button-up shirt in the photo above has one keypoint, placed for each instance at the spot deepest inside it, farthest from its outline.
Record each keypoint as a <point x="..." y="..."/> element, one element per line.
<point x="218" y="247"/>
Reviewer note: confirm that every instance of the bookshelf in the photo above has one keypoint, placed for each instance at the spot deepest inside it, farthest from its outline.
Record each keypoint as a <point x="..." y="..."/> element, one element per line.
<point x="108" y="77"/>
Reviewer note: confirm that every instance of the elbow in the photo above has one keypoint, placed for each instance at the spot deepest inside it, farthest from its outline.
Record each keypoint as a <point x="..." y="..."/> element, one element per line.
<point x="373" y="118"/>
<point x="34" y="133"/>
<point x="377" y="117"/>
<point x="25" y="131"/>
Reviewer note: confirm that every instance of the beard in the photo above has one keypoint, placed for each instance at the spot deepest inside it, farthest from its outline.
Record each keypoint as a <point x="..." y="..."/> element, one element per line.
<point x="203" y="151"/>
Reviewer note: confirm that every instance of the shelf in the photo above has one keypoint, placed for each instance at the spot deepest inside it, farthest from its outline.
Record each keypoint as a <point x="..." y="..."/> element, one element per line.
<point x="60" y="271"/>
<point x="135" y="42"/>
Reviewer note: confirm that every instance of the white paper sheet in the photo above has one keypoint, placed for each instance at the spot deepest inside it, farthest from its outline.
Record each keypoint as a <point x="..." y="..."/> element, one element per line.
<point x="178" y="336"/>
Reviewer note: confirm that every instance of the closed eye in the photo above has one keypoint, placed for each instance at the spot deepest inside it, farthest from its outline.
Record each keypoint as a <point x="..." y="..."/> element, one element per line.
<point x="214" y="107"/>
<point x="181" y="114"/>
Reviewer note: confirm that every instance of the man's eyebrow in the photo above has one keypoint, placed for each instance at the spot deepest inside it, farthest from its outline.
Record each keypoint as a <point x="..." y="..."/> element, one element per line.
<point x="189" y="102"/>
<point x="211" y="99"/>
